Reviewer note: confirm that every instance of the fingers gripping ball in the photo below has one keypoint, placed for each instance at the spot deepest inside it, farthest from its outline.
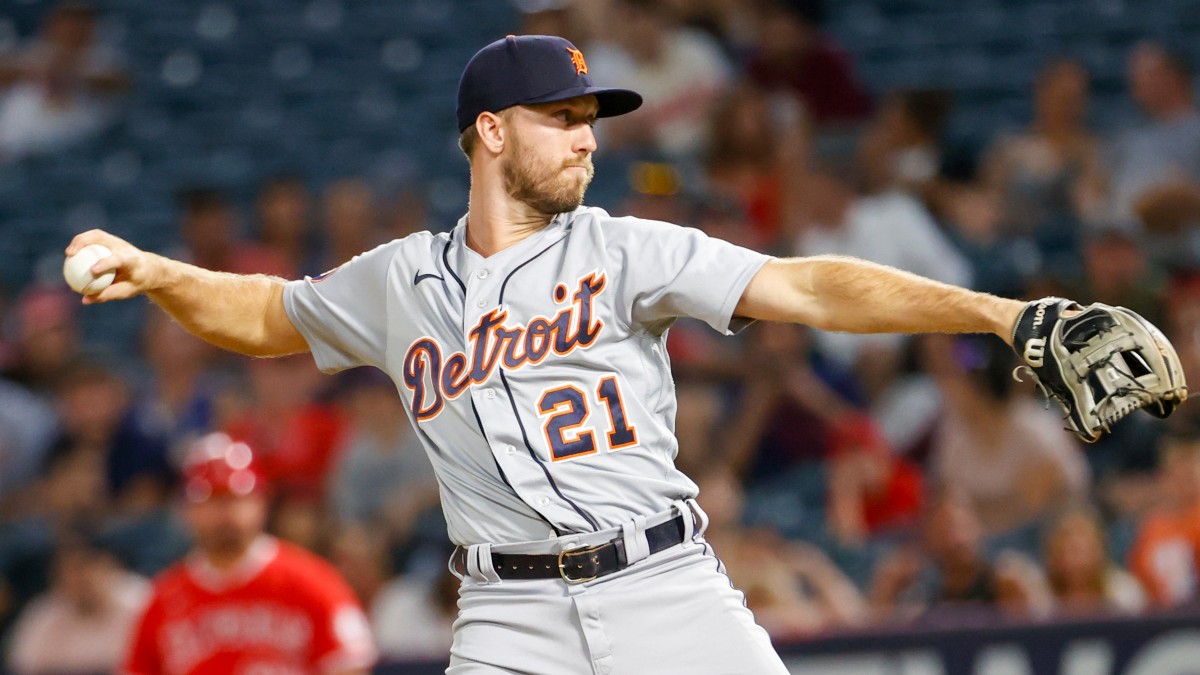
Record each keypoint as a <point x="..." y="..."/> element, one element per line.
<point x="77" y="270"/>
<point x="1099" y="363"/>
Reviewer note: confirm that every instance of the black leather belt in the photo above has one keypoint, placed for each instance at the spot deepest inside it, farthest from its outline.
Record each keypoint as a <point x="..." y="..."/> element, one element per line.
<point x="578" y="565"/>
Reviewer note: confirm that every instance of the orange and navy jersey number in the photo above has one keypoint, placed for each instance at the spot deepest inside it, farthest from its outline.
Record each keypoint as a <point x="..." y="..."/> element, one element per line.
<point x="567" y="409"/>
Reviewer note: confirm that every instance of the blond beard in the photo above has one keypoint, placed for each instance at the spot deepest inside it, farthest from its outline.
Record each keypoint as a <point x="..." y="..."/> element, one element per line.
<point x="542" y="188"/>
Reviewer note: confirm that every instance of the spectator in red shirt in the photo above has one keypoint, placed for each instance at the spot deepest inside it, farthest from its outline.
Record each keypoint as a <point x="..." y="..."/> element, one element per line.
<point x="297" y="436"/>
<point x="795" y="56"/>
<point x="242" y="601"/>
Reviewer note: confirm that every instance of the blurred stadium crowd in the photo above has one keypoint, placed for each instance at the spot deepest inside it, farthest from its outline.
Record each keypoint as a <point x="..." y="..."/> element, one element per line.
<point x="1023" y="148"/>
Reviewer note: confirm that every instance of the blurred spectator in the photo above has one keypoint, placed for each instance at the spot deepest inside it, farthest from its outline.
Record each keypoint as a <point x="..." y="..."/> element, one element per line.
<point x="382" y="476"/>
<point x="564" y="18"/>
<point x="27" y="429"/>
<point x="699" y="413"/>
<point x="297" y="614"/>
<point x="679" y="72"/>
<point x="360" y="556"/>
<point x="351" y="222"/>
<point x="871" y="490"/>
<point x="1159" y="160"/>
<point x="1081" y="577"/>
<point x="1182" y="308"/>
<point x="98" y="421"/>
<point x="780" y="422"/>
<point x="82" y="624"/>
<point x="180" y="401"/>
<point x="284" y="222"/>
<point x="1049" y="176"/>
<point x="901" y="147"/>
<point x="1166" y="554"/>
<point x="300" y="519"/>
<point x="60" y="88"/>
<point x="1116" y="271"/>
<point x="793" y="55"/>
<point x="949" y="570"/>
<point x="209" y="230"/>
<point x="295" y="434"/>
<point x="413" y="617"/>
<point x="1000" y="262"/>
<point x="792" y="421"/>
<point x="999" y="447"/>
<point x="70" y="495"/>
<point x="47" y="338"/>
<point x="793" y="589"/>
<point x="888" y="227"/>
<point x="72" y="491"/>
<point x="732" y="22"/>
<point x="741" y="161"/>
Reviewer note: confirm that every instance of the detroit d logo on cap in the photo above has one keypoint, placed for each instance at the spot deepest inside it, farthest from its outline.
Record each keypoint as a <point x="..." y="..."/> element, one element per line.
<point x="577" y="61"/>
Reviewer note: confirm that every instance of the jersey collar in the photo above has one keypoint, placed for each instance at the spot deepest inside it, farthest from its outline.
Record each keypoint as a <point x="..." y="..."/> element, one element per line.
<point x="466" y="260"/>
<point x="260" y="554"/>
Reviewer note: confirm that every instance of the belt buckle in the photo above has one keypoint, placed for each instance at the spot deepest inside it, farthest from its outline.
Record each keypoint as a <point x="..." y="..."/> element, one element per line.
<point x="562" y="568"/>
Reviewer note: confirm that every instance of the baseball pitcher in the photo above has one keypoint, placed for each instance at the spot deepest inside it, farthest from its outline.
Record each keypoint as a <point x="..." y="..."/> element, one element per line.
<point x="528" y="345"/>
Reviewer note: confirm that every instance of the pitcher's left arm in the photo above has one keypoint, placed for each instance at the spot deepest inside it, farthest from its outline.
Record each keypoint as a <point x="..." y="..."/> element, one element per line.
<point x="839" y="293"/>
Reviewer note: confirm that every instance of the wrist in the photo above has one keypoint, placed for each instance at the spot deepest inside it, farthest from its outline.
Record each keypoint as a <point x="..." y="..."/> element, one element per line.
<point x="161" y="274"/>
<point x="1004" y="315"/>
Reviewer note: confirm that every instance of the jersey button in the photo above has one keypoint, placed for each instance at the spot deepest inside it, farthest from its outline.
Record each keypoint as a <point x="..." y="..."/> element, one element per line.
<point x="481" y="304"/>
<point x="543" y="501"/>
<point x="482" y="274"/>
<point x="509" y="449"/>
<point x="489" y="394"/>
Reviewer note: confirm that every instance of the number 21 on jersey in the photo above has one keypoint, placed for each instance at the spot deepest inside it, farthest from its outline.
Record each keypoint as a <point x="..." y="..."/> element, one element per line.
<point x="567" y="409"/>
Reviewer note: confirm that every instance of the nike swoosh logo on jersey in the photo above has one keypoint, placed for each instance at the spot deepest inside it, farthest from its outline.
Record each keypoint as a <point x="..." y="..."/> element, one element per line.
<point x="422" y="277"/>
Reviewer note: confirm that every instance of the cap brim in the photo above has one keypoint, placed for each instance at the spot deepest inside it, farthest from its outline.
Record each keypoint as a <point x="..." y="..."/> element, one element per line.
<point x="612" y="102"/>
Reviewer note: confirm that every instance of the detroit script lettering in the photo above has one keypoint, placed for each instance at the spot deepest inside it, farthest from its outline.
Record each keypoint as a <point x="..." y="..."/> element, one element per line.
<point x="433" y="379"/>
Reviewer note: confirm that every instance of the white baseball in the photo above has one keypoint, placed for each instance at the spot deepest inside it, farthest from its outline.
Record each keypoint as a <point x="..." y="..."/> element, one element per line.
<point x="77" y="270"/>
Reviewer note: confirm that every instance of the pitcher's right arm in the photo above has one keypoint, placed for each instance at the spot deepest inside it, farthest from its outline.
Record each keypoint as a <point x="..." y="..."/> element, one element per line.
<point x="240" y="313"/>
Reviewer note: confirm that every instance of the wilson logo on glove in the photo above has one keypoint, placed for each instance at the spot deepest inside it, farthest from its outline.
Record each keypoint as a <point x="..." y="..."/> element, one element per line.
<point x="1035" y="351"/>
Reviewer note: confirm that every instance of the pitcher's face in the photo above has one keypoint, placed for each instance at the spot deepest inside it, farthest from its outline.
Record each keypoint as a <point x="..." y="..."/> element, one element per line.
<point x="548" y="154"/>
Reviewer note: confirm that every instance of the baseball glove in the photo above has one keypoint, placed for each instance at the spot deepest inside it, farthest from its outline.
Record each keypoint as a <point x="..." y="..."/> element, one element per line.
<point x="1099" y="363"/>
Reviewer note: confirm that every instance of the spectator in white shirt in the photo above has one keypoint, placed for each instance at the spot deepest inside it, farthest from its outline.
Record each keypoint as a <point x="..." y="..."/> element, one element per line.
<point x="679" y="70"/>
<point x="84" y="622"/>
<point x="60" y="88"/>
<point x="1157" y="164"/>
<point x="413" y="617"/>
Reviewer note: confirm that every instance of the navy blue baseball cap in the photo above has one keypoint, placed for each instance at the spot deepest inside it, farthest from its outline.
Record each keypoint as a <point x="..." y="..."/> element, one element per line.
<point x="532" y="69"/>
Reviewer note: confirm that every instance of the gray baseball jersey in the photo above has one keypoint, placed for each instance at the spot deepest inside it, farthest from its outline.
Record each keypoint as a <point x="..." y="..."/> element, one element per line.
<point x="537" y="378"/>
